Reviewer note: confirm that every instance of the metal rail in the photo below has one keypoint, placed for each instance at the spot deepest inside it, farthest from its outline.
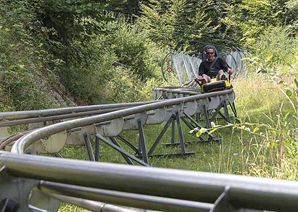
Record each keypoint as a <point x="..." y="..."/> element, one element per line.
<point x="32" y="116"/>
<point x="121" y="183"/>
<point x="112" y="113"/>
<point x="21" y="144"/>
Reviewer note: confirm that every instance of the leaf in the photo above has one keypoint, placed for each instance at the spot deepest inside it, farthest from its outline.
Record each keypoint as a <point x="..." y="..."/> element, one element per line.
<point x="198" y="134"/>
<point x="212" y="131"/>
<point x="244" y="58"/>
<point x="286" y="116"/>
<point x="285" y="71"/>
<point x="269" y="56"/>
<point x="201" y="131"/>
<point x="289" y="92"/>
<point x="213" y="124"/>
<point x="296" y="82"/>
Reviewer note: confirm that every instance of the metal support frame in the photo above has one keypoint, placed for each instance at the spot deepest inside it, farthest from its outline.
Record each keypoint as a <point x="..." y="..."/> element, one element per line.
<point x="198" y="116"/>
<point x="173" y="130"/>
<point x="224" y="115"/>
<point x="97" y="149"/>
<point x="233" y="107"/>
<point x="126" y="142"/>
<point x="206" y="116"/>
<point x="174" y="118"/>
<point x="16" y="192"/>
<point x="191" y="124"/>
<point x="217" y="111"/>
<point x="127" y="159"/>
<point x="142" y="143"/>
<point x="88" y="145"/>
<point x="117" y="148"/>
<point x="161" y="134"/>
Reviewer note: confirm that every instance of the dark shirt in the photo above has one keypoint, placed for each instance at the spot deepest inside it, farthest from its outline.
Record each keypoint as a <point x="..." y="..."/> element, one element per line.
<point x="216" y="67"/>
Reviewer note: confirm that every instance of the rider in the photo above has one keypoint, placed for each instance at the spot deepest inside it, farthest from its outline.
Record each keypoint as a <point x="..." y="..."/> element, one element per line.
<point x="212" y="67"/>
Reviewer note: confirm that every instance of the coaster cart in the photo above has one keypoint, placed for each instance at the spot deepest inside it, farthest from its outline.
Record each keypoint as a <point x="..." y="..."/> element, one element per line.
<point x="215" y="85"/>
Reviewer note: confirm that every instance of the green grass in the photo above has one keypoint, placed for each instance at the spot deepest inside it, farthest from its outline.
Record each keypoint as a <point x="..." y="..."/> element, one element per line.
<point x="263" y="153"/>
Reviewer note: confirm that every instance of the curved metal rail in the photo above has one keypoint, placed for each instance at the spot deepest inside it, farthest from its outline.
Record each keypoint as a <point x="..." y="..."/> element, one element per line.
<point x="74" y="181"/>
<point x="151" y="188"/>
<point x="30" y="138"/>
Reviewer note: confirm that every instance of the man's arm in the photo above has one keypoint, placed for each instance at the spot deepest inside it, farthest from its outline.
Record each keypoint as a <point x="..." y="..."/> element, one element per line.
<point x="201" y="69"/>
<point x="225" y="66"/>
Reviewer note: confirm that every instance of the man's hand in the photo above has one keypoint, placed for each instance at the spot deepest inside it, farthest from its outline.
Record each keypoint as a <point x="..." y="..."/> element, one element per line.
<point x="229" y="71"/>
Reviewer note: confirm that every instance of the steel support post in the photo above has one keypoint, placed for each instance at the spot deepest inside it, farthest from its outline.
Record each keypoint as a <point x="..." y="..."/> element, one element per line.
<point x="233" y="107"/>
<point x="180" y="133"/>
<point x="226" y="111"/>
<point x="161" y="134"/>
<point x="193" y="121"/>
<point x="58" y="155"/>
<point x="208" y="125"/>
<point x="127" y="159"/>
<point x="226" y="115"/>
<point x="191" y="127"/>
<point x="142" y="141"/>
<point x="217" y="111"/>
<point x="126" y="142"/>
<point x="223" y="116"/>
<point x="97" y="149"/>
<point x="121" y="150"/>
<point x="198" y="116"/>
<point x="173" y="129"/>
<point x="89" y="146"/>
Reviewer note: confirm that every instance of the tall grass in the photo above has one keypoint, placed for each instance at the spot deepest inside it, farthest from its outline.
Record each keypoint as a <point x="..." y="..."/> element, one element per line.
<point x="263" y="144"/>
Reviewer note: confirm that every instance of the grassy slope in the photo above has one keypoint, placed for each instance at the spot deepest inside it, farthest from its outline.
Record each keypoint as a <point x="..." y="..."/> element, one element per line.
<point x="241" y="152"/>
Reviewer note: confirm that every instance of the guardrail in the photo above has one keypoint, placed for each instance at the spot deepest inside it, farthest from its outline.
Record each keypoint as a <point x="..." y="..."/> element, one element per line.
<point x="150" y="188"/>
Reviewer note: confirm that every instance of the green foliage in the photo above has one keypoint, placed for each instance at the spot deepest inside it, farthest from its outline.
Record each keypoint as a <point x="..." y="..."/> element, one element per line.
<point x="49" y="45"/>
<point x="184" y="24"/>
<point x="273" y="49"/>
<point x="115" y="67"/>
<point x="247" y="19"/>
<point x="21" y="60"/>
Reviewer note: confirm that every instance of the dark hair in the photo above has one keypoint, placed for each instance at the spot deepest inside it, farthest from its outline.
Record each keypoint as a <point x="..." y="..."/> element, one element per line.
<point x="204" y="55"/>
<point x="209" y="47"/>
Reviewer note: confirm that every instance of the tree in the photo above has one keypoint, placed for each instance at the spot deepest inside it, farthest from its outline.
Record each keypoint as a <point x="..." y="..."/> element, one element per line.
<point x="184" y="23"/>
<point x="250" y="18"/>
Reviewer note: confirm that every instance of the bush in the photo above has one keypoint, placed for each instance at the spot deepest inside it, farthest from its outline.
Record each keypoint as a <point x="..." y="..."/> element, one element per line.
<point x="22" y="58"/>
<point x="115" y="67"/>
<point x="273" y="49"/>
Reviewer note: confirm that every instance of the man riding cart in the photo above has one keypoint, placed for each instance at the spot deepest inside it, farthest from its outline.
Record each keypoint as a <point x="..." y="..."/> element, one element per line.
<point x="212" y="67"/>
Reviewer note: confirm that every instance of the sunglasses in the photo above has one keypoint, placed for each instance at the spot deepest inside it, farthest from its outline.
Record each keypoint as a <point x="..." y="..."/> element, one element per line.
<point x="209" y="52"/>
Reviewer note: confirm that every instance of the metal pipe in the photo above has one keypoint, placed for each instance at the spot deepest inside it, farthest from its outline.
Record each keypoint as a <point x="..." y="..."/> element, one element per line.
<point x="125" y="199"/>
<point x="92" y="205"/>
<point x="24" y="142"/>
<point x="245" y="192"/>
<point x="179" y="90"/>
<point x="59" y="111"/>
<point x="54" y="118"/>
